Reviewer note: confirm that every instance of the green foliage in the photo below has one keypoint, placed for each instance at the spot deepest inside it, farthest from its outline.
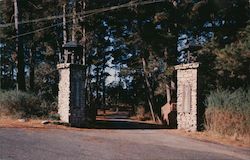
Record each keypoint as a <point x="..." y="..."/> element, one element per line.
<point x="20" y="105"/>
<point x="228" y="113"/>
<point x="233" y="61"/>
<point x="226" y="66"/>
<point x="237" y="101"/>
<point x="153" y="32"/>
<point x="46" y="82"/>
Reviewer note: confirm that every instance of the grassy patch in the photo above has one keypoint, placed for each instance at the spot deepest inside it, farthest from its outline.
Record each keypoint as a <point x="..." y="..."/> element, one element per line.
<point x="228" y="113"/>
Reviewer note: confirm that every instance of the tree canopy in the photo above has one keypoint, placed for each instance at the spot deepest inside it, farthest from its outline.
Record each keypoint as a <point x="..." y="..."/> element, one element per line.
<point x="141" y="43"/>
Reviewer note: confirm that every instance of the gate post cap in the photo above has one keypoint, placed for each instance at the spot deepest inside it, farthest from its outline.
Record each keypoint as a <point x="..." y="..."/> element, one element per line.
<point x="187" y="66"/>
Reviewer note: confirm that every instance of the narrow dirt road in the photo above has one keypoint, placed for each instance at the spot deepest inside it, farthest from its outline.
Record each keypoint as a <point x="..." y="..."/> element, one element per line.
<point x="109" y="144"/>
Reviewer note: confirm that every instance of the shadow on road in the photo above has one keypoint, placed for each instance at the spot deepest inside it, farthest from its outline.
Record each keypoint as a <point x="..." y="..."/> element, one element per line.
<point x="126" y="124"/>
<point x="121" y="120"/>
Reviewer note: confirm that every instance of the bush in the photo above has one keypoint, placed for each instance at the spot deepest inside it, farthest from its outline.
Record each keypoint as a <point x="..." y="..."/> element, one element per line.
<point x="140" y="112"/>
<point x="142" y="115"/>
<point x="228" y="113"/>
<point x="17" y="104"/>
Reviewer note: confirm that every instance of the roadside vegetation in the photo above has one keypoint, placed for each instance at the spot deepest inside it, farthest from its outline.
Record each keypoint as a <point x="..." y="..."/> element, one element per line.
<point x="228" y="113"/>
<point x="17" y="104"/>
<point x="226" y="85"/>
<point x="130" y="54"/>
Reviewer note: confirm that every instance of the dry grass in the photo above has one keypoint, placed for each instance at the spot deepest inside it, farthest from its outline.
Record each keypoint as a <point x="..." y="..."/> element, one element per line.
<point x="228" y="114"/>
<point x="227" y="122"/>
<point x="208" y="136"/>
<point x="14" y="123"/>
<point x="142" y="115"/>
<point x="6" y="122"/>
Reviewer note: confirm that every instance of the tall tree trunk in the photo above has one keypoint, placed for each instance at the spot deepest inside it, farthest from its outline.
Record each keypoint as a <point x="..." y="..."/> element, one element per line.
<point x="150" y="91"/>
<point x="88" y="86"/>
<point x="97" y="88"/>
<point x="83" y="34"/>
<point x="64" y="32"/>
<point x="103" y="86"/>
<point x="64" y="25"/>
<point x="1" y="56"/>
<point x="19" y="48"/>
<point x="32" y="70"/>
<point x="74" y="23"/>
<point x="104" y="96"/>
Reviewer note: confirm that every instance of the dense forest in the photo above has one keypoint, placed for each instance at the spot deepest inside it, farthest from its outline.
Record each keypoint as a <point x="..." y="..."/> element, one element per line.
<point x="137" y="42"/>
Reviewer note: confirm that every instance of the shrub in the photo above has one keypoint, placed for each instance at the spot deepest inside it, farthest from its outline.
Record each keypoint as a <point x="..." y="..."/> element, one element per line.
<point x="17" y="104"/>
<point x="46" y="82"/>
<point x="228" y="113"/>
<point x="140" y="112"/>
<point x="142" y="115"/>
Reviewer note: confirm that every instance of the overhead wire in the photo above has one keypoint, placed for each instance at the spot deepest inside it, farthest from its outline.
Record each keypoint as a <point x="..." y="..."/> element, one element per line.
<point x="90" y="13"/>
<point x="131" y="3"/>
<point x="44" y="28"/>
<point x="94" y="11"/>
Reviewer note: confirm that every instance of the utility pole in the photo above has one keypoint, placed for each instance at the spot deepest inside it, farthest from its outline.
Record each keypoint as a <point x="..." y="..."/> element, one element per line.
<point x="19" y="48"/>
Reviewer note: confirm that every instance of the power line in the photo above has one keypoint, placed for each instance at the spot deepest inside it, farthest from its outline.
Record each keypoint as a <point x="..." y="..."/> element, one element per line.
<point x="94" y="11"/>
<point x="44" y="28"/>
<point x="57" y="17"/>
<point x="10" y="4"/>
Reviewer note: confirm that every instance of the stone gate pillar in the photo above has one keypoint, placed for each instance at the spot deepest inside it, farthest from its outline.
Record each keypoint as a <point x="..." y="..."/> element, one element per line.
<point x="71" y="96"/>
<point x="187" y="89"/>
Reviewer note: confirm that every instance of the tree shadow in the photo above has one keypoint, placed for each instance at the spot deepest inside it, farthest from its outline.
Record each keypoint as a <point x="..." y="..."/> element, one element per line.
<point x="122" y="120"/>
<point x="126" y="124"/>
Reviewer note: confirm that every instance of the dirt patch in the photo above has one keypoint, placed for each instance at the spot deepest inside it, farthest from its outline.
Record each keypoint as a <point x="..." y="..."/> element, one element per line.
<point x="35" y="124"/>
<point x="14" y="123"/>
<point x="214" y="138"/>
<point x="29" y="124"/>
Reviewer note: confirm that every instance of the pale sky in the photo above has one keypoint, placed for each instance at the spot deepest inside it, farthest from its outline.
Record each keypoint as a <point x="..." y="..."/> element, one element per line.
<point x="114" y="72"/>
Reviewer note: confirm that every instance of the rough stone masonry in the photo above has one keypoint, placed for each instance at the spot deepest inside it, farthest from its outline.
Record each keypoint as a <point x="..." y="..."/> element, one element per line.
<point x="71" y="103"/>
<point x="187" y="86"/>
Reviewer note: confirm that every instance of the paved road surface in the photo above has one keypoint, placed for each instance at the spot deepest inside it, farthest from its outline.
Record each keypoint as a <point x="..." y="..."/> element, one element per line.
<point x="109" y="144"/>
